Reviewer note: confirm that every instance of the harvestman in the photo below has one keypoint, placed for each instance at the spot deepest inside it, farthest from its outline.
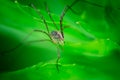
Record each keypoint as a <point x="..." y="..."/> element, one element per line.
<point x="56" y="36"/>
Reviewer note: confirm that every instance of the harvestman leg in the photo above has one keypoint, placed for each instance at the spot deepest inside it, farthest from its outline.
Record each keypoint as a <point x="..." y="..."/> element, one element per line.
<point x="63" y="14"/>
<point x="41" y="16"/>
<point x="61" y="19"/>
<point x="48" y="11"/>
<point x="20" y="44"/>
<point x="42" y="40"/>
<point x="70" y="7"/>
<point x="58" y="51"/>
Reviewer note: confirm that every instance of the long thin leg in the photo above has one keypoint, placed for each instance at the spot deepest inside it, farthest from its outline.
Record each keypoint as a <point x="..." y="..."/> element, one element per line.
<point x="63" y="14"/>
<point x="92" y="3"/>
<point x="58" y="58"/>
<point x="20" y="44"/>
<point x="43" y="40"/>
<point x="70" y="7"/>
<point x="41" y="16"/>
<point x="44" y="33"/>
<point x="48" y="11"/>
<point x="58" y="51"/>
<point x="84" y="1"/>
<point x="61" y="19"/>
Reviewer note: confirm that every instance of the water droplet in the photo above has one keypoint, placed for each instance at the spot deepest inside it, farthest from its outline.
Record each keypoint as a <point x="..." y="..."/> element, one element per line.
<point x="16" y="1"/>
<point x="77" y="22"/>
<point x="108" y="38"/>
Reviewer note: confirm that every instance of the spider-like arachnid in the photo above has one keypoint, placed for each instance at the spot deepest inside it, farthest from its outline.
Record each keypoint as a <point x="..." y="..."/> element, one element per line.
<point x="56" y="36"/>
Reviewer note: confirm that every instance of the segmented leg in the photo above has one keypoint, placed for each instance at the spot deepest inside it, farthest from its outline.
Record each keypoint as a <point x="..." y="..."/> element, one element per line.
<point x="58" y="58"/>
<point x="92" y="3"/>
<point x="41" y="16"/>
<point x="42" y="40"/>
<point x="48" y="11"/>
<point x="63" y="14"/>
<point x="61" y="19"/>
<point x="20" y="44"/>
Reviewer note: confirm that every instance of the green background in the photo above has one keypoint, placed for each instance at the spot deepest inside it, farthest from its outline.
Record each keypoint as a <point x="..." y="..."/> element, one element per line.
<point x="91" y="50"/>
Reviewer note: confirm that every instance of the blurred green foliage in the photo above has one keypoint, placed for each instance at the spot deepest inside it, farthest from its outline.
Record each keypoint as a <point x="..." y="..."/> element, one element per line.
<point x="91" y="50"/>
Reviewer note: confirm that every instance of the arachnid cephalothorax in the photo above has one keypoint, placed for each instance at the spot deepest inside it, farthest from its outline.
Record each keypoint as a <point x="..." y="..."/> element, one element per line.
<point x="57" y="37"/>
